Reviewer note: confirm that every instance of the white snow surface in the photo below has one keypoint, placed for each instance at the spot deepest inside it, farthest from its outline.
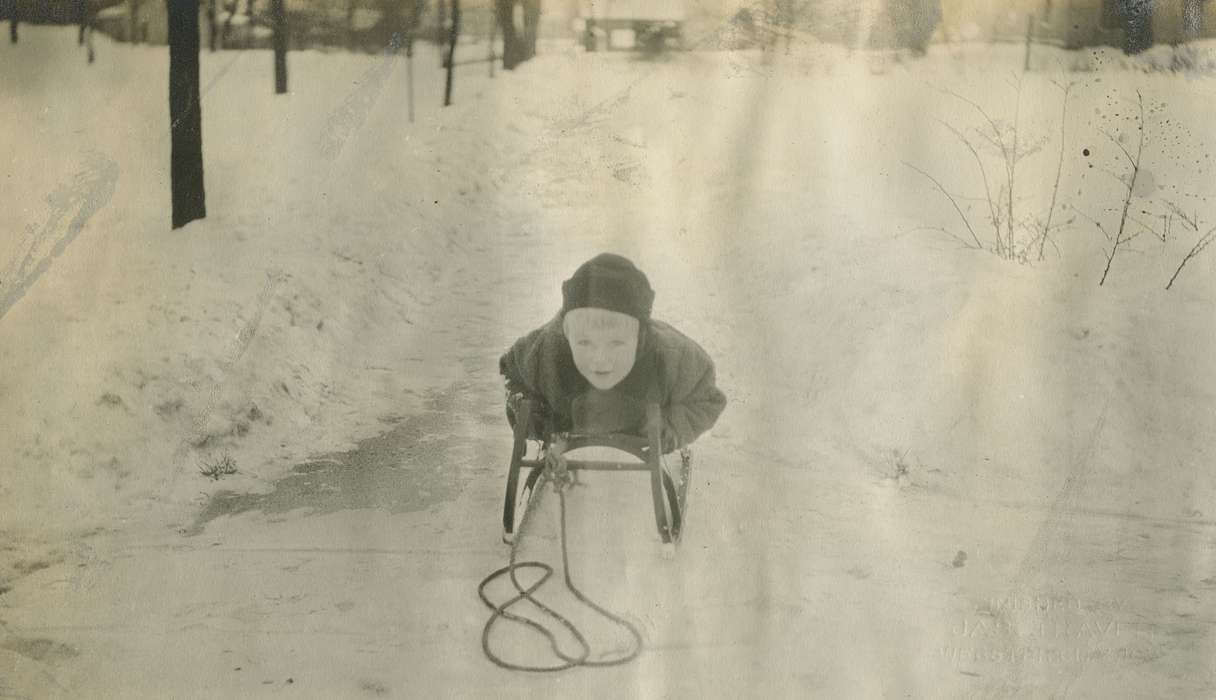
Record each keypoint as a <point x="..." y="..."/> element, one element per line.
<point x="941" y="473"/>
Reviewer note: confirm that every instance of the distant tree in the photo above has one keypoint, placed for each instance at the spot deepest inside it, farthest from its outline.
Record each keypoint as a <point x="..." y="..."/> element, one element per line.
<point x="914" y="22"/>
<point x="185" y="114"/>
<point x="212" y="26"/>
<point x="133" y="31"/>
<point x="1192" y="29"/>
<point x="230" y="8"/>
<point x="453" y="37"/>
<point x="440" y="32"/>
<point x="1136" y="19"/>
<point x="81" y="8"/>
<point x="504" y="14"/>
<point x="13" y="20"/>
<point x="531" y="27"/>
<point x="86" y="14"/>
<point x="518" y="43"/>
<point x="412" y="22"/>
<point x="279" y="18"/>
<point x="401" y="18"/>
<point x="1192" y="19"/>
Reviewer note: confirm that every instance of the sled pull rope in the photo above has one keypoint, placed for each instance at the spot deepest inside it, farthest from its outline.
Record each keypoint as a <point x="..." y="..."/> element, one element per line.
<point x="502" y="611"/>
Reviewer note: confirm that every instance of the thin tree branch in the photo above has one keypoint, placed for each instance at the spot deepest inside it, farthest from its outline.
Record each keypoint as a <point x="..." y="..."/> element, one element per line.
<point x="1115" y="141"/>
<point x="991" y="122"/>
<point x="1203" y="242"/>
<point x="1093" y="221"/>
<point x="980" y="162"/>
<point x="1055" y="188"/>
<point x="952" y="202"/>
<point x="961" y="241"/>
<point x="1127" y="201"/>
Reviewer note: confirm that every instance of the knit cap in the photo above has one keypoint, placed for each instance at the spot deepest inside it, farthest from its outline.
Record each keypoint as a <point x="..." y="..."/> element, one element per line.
<point x="610" y="282"/>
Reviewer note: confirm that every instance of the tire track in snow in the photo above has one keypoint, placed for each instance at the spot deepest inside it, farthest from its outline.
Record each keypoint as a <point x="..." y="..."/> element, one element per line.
<point x="87" y="193"/>
<point x="1060" y="512"/>
<point x="91" y="190"/>
<point x="350" y="116"/>
<point x="1038" y="557"/>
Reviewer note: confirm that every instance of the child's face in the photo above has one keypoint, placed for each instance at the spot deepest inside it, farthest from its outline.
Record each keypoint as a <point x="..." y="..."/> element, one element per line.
<point x="604" y="344"/>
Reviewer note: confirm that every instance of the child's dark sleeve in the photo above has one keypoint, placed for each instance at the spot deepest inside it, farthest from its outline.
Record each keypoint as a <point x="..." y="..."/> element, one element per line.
<point x="509" y="368"/>
<point x="695" y="402"/>
<point x="517" y="369"/>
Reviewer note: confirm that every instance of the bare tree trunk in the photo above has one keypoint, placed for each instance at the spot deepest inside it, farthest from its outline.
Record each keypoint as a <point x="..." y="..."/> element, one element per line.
<point x="88" y="35"/>
<point x="279" y="17"/>
<point x="518" y="45"/>
<point x="493" y="36"/>
<point x="350" y="23"/>
<point x="531" y="29"/>
<point x="867" y="17"/>
<point x="441" y="22"/>
<point x="133" y="31"/>
<point x="1192" y="19"/>
<point x="413" y="22"/>
<point x="504" y="10"/>
<point x="185" y="114"/>
<point x="1137" y="21"/>
<point x="13" y="21"/>
<point x="451" y="62"/>
<point x="212" y="27"/>
<point x="391" y="19"/>
<point x="409" y="75"/>
<point x="226" y="31"/>
<point x="84" y="15"/>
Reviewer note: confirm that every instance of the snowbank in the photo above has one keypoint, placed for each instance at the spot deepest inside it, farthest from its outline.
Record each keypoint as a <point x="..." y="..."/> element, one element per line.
<point x="297" y="318"/>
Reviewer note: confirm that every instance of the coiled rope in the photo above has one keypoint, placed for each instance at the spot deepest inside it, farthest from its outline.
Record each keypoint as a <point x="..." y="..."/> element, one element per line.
<point x="501" y="612"/>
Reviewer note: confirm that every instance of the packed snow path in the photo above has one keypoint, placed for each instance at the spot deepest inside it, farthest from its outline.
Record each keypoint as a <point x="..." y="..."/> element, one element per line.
<point x="941" y="474"/>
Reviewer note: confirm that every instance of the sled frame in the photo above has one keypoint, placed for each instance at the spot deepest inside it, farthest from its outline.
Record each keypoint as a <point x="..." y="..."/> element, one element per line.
<point x="668" y="500"/>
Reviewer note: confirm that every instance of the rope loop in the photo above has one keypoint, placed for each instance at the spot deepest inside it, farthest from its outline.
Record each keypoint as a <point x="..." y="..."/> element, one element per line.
<point x="556" y="473"/>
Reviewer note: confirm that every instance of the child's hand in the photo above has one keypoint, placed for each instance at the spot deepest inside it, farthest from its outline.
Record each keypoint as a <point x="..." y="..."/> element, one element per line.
<point x="555" y="465"/>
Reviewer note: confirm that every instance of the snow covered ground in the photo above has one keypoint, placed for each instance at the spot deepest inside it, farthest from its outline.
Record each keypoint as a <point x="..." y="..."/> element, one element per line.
<point x="941" y="473"/>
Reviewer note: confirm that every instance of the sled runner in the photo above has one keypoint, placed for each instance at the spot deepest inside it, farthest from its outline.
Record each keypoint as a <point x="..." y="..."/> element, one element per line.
<point x="669" y="498"/>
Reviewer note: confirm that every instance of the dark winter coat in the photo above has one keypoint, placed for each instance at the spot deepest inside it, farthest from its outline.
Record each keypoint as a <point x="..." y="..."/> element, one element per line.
<point x="670" y="369"/>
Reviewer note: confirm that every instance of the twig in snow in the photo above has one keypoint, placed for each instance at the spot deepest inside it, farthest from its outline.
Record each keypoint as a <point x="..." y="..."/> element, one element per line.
<point x="1191" y="220"/>
<point x="1167" y="221"/>
<point x="1095" y="222"/>
<point x="963" y="242"/>
<point x="1011" y="163"/>
<point x="1055" y="188"/>
<point x="1204" y="241"/>
<point x="994" y="217"/>
<point x="1131" y="187"/>
<point x="952" y="202"/>
<point x="1111" y="137"/>
<point x="996" y="131"/>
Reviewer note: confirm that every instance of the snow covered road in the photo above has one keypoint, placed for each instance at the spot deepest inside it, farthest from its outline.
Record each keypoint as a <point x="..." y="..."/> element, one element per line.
<point x="941" y="473"/>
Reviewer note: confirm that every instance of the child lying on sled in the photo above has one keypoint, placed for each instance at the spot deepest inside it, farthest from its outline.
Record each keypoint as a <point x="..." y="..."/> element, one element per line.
<point x="595" y="366"/>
